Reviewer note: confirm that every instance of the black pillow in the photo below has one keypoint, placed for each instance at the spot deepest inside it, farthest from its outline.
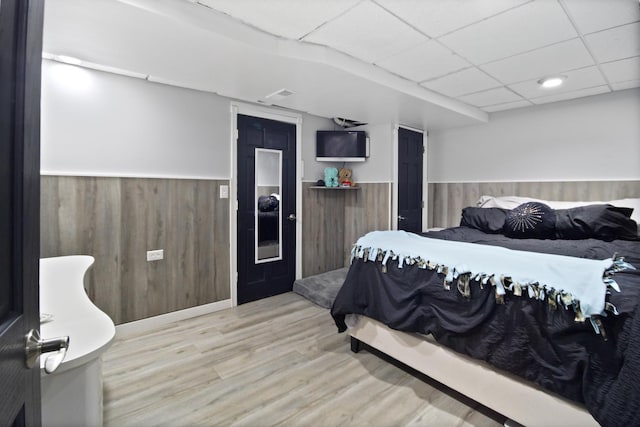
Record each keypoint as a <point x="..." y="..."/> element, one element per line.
<point x="603" y="222"/>
<point x="267" y="203"/>
<point x="489" y="220"/>
<point x="531" y="220"/>
<point x="275" y="202"/>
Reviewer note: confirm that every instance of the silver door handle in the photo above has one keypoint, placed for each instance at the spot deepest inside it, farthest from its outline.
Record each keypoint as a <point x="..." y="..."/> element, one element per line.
<point x="36" y="346"/>
<point x="401" y="218"/>
<point x="291" y="217"/>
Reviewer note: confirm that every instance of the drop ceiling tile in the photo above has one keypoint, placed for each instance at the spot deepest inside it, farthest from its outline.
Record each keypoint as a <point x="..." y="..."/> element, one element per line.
<point x="424" y="61"/>
<point x="287" y="18"/>
<point x="490" y="97"/>
<point x="626" y="85"/>
<point x="506" y="106"/>
<point x="462" y="82"/>
<point x="576" y="80"/>
<point x="571" y="95"/>
<point x="358" y="33"/>
<point x="623" y="70"/>
<point x="518" y="30"/>
<point x="436" y="18"/>
<point x="538" y="63"/>
<point x="616" y="43"/>
<point x="595" y="15"/>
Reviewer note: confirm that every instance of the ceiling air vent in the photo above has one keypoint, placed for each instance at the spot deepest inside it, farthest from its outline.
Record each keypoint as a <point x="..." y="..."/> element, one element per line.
<point x="279" y="94"/>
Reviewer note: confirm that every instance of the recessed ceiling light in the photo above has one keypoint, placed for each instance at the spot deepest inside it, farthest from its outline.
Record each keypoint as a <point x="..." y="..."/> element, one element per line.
<point x="551" y="82"/>
<point x="68" y="60"/>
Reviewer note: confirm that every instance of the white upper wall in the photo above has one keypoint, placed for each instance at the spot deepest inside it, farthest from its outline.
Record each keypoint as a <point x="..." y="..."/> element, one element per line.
<point x="313" y="170"/>
<point x="379" y="165"/>
<point x="102" y="124"/>
<point x="96" y="123"/>
<point x="592" y="138"/>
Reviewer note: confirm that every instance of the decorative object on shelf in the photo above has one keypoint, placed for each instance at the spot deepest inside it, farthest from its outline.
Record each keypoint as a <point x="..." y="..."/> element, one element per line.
<point x="320" y="183"/>
<point x="344" y="178"/>
<point x="330" y="177"/>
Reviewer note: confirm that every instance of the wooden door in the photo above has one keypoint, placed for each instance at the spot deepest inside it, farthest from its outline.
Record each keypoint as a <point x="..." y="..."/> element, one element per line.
<point x="263" y="269"/>
<point x="410" y="156"/>
<point x="20" y="63"/>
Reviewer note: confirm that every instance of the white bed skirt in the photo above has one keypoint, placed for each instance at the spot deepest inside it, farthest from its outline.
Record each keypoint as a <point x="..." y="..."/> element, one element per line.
<point x="516" y="399"/>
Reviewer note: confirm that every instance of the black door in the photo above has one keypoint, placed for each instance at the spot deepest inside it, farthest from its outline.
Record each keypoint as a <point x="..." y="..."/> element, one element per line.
<point x="266" y="221"/>
<point x="20" y="62"/>
<point x="410" y="153"/>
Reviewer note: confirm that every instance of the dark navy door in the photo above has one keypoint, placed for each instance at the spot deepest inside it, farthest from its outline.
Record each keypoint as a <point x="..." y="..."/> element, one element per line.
<point x="410" y="156"/>
<point x="266" y="207"/>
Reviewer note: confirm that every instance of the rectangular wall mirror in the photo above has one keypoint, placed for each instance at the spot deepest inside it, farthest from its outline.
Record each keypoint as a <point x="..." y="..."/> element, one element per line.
<point x="268" y="213"/>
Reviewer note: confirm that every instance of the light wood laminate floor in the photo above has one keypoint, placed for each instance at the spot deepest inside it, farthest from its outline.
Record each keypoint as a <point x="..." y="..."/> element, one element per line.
<point x="277" y="361"/>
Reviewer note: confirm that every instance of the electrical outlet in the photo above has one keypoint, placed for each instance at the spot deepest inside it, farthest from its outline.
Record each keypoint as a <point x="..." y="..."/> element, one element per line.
<point x="155" y="255"/>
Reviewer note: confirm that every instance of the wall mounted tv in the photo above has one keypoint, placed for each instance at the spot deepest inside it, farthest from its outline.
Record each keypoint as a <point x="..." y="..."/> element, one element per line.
<point x="341" y="146"/>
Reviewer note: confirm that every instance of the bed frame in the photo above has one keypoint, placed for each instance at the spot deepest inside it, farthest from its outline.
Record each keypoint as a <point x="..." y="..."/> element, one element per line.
<point x="510" y="396"/>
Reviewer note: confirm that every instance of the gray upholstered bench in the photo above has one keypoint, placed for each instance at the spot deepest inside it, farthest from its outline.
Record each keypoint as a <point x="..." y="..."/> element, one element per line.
<point x="321" y="288"/>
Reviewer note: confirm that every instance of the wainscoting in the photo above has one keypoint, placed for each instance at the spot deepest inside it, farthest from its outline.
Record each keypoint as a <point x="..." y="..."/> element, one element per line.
<point x="116" y="220"/>
<point x="446" y="200"/>
<point x="334" y="219"/>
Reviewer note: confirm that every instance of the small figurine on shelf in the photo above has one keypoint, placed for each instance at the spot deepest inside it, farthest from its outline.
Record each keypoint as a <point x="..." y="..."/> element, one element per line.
<point x="330" y="177"/>
<point x="345" y="178"/>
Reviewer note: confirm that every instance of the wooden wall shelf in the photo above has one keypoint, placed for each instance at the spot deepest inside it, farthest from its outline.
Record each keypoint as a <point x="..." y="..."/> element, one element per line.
<point x="320" y="187"/>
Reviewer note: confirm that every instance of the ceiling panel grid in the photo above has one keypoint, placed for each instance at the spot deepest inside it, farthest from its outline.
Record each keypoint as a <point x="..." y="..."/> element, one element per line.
<point x="488" y="55"/>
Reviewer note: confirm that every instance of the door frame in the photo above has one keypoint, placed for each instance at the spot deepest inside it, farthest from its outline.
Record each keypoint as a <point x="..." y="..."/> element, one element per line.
<point x="271" y="114"/>
<point x="425" y="182"/>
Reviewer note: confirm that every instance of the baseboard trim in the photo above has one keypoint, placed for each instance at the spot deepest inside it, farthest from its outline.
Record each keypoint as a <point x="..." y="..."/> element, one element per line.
<point x="140" y="326"/>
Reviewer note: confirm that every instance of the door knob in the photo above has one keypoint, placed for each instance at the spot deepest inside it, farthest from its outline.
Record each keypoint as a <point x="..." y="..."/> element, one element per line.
<point x="36" y="346"/>
<point x="291" y="217"/>
<point x="401" y="218"/>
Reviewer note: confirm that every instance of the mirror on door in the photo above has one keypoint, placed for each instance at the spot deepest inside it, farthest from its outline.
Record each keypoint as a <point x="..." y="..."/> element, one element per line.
<point x="268" y="216"/>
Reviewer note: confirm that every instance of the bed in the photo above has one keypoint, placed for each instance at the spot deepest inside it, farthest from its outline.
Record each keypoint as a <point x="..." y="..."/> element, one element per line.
<point x="515" y="342"/>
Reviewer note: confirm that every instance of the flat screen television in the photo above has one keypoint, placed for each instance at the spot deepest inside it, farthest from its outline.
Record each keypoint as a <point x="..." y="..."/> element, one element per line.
<point x="341" y="146"/>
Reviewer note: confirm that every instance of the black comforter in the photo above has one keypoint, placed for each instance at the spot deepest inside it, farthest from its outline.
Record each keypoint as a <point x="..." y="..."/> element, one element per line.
<point x="523" y="336"/>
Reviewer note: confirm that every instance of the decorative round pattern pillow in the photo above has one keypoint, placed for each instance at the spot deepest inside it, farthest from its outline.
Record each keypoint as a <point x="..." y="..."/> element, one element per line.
<point x="531" y="220"/>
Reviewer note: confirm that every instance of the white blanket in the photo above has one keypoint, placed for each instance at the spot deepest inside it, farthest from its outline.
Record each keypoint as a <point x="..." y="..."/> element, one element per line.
<point x="582" y="279"/>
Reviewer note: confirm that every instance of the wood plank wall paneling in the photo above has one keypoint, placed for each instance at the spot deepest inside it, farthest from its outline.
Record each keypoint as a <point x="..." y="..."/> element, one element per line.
<point x="334" y="219"/>
<point x="117" y="220"/>
<point x="365" y="210"/>
<point x="446" y="200"/>
<point x="322" y="230"/>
